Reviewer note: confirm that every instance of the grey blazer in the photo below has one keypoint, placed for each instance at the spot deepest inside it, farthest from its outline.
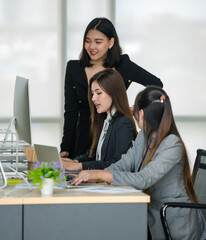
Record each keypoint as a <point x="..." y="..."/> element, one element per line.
<point x="163" y="178"/>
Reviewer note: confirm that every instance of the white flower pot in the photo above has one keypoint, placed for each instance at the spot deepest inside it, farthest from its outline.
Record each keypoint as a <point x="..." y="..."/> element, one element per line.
<point x="47" y="186"/>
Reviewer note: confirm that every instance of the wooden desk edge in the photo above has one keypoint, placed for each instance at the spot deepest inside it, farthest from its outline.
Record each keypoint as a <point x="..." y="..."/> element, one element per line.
<point x="75" y="200"/>
<point x="72" y="197"/>
<point x="87" y="200"/>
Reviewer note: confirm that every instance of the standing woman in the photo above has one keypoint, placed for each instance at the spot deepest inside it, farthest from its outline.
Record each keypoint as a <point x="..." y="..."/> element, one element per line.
<point x="157" y="163"/>
<point x="112" y="124"/>
<point x="100" y="50"/>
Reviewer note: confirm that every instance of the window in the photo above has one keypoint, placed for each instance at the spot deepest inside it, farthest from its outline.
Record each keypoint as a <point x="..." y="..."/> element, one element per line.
<point x="168" y="39"/>
<point x="165" y="37"/>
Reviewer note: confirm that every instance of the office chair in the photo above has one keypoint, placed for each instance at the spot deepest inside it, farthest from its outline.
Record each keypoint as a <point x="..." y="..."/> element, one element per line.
<point x="199" y="179"/>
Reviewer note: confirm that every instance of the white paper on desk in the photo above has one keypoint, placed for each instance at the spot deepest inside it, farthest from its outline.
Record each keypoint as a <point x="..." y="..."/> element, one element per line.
<point x="107" y="190"/>
<point x="24" y="185"/>
<point x="82" y="185"/>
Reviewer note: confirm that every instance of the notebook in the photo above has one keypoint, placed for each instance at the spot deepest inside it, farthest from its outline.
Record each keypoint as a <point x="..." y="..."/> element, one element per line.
<point x="50" y="154"/>
<point x="47" y="153"/>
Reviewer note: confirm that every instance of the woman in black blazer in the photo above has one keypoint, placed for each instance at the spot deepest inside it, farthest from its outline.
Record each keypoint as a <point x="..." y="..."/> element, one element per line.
<point x="100" y="50"/>
<point x="112" y="125"/>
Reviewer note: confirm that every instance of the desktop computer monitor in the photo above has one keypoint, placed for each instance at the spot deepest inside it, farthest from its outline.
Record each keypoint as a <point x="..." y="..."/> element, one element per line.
<point x="21" y="110"/>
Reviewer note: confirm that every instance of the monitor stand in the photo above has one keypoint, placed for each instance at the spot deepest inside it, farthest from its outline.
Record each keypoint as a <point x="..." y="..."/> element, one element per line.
<point x="14" y="172"/>
<point x="3" y="176"/>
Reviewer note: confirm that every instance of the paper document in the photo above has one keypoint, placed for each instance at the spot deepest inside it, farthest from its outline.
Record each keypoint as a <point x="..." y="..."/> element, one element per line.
<point x="24" y="185"/>
<point x="103" y="189"/>
<point x="31" y="186"/>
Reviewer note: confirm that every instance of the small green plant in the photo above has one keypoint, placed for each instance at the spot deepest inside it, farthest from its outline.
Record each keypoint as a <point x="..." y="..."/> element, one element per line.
<point x="43" y="170"/>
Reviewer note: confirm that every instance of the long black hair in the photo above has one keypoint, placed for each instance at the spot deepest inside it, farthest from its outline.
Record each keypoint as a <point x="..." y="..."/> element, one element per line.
<point x="158" y="118"/>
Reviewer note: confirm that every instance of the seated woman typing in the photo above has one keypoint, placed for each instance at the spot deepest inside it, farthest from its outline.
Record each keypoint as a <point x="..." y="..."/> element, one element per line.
<point x="112" y="124"/>
<point x="157" y="163"/>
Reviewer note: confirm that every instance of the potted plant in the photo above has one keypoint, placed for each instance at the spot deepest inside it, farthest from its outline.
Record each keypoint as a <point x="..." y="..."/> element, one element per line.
<point x="45" y="175"/>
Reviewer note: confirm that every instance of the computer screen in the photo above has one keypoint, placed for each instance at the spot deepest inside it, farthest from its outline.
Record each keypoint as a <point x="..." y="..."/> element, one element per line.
<point x="21" y="109"/>
<point x="47" y="153"/>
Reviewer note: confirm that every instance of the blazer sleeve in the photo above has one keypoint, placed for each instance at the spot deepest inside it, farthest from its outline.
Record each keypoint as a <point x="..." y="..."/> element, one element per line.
<point x="166" y="157"/>
<point x="132" y="72"/>
<point x="122" y="137"/>
<point x="84" y="157"/>
<point x="131" y="160"/>
<point x="71" y="112"/>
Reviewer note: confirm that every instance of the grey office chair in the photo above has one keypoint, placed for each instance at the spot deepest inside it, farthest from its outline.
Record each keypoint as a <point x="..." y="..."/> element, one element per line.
<point x="199" y="179"/>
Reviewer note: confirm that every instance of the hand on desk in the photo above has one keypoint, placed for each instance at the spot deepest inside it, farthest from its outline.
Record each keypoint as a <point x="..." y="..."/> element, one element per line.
<point x="71" y="165"/>
<point x="92" y="176"/>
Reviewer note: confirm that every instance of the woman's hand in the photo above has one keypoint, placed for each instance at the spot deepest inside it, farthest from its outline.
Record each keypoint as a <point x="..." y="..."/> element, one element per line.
<point x="69" y="160"/>
<point x="64" y="154"/>
<point x="92" y="176"/>
<point x="71" y="165"/>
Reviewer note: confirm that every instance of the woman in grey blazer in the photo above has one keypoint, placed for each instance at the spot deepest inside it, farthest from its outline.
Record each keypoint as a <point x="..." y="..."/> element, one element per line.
<point x="112" y="124"/>
<point x="158" y="164"/>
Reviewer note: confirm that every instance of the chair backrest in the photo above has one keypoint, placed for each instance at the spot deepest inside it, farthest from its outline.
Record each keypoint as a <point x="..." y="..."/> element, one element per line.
<point x="199" y="179"/>
<point x="199" y="176"/>
<point x="200" y="162"/>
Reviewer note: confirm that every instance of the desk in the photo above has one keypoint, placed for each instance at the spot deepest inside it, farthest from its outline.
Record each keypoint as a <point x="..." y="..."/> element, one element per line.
<point x="73" y="215"/>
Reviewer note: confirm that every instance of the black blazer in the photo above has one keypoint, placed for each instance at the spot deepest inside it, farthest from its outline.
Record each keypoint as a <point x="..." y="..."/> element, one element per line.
<point x="76" y="134"/>
<point x="118" y="140"/>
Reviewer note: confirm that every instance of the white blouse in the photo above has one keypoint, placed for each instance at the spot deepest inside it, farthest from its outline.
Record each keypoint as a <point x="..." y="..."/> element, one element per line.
<point x="103" y="133"/>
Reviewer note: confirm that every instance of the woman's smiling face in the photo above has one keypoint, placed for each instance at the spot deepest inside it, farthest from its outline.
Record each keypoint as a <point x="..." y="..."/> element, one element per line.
<point x="97" y="45"/>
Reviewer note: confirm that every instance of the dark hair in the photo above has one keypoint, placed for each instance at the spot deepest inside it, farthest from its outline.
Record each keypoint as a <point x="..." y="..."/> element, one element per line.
<point x="158" y="117"/>
<point x="106" y="27"/>
<point x="112" y="83"/>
